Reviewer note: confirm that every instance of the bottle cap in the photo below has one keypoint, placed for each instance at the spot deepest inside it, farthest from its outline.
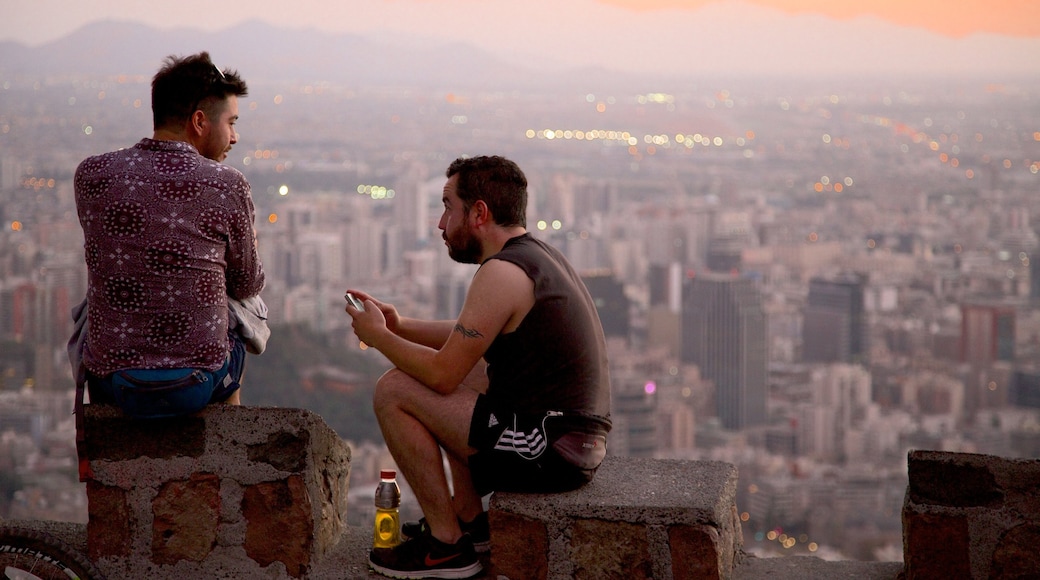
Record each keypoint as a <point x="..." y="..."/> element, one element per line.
<point x="387" y="474"/>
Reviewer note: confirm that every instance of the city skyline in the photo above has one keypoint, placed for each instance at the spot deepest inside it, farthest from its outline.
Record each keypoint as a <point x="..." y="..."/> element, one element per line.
<point x="926" y="188"/>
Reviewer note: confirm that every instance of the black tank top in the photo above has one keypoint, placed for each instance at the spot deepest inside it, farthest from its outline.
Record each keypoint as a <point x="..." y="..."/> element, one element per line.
<point x="556" y="359"/>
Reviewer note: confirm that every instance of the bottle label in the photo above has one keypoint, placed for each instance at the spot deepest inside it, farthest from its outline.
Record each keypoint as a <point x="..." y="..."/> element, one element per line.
<point x="387" y="530"/>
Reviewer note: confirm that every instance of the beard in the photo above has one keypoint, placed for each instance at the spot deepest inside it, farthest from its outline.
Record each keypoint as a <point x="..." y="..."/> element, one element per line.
<point x="463" y="247"/>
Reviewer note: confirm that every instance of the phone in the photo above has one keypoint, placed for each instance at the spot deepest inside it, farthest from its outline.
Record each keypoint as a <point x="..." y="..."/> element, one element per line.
<point x="353" y="300"/>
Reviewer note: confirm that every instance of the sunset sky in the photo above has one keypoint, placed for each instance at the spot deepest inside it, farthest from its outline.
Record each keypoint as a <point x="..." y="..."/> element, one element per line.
<point x="645" y="35"/>
<point x="954" y="18"/>
<point x="36" y="21"/>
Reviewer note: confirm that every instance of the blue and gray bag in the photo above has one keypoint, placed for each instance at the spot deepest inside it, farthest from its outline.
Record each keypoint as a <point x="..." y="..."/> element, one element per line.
<point x="160" y="393"/>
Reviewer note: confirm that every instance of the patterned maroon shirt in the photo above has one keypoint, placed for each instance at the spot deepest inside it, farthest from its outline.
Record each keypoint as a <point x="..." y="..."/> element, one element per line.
<point x="168" y="238"/>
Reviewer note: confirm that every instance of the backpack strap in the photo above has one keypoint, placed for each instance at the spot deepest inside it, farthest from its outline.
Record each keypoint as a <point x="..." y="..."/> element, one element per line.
<point x="85" y="472"/>
<point x="79" y="374"/>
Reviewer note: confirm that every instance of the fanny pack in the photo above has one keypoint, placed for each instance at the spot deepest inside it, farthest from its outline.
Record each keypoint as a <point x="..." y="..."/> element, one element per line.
<point x="584" y="450"/>
<point x="529" y="437"/>
<point x="161" y="393"/>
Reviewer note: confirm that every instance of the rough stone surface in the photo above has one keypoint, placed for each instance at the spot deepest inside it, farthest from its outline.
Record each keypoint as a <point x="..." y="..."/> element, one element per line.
<point x="285" y="451"/>
<point x="513" y="559"/>
<point x="972" y="516"/>
<point x="695" y="552"/>
<point x="935" y="546"/>
<point x="109" y="530"/>
<point x="951" y="480"/>
<point x="116" y="437"/>
<point x="601" y="549"/>
<point x="812" y="568"/>
<point x="185" y="519"/>
<point x="279" y="526"/>
<point x="1018" y="553"/>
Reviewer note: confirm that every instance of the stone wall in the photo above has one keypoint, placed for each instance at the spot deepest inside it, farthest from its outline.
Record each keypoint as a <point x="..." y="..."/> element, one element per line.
<point x="231" y="492"/>
<point x="971" y="516"/>
<point x="246" y="492"/>
<point x="637" y="519"/>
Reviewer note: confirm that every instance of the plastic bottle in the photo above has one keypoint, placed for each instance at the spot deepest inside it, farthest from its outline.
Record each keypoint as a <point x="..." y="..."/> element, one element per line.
<point x="386" y="533"/>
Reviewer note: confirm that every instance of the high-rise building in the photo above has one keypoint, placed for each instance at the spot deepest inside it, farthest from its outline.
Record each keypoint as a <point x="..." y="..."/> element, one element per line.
<point x="731" y="233"/>
<point x="665" y="284"/>
<point x="1025" y="388"/>
<point x="635" y="423"/>
<point x="11" y="171"/>
<point x="834" y="329"/>
<point x="725" y="253"/>
<point x="411" y="204"/>
<point x="663" y="322"/>
<point x="1034" y="273"/>
<point x="724" y="333"/>
<point x="987" y="333"/>
<point x="611" y="303"/>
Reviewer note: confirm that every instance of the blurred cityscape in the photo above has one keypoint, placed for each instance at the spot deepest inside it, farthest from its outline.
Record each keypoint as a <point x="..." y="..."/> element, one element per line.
<point x="804" y="282"/>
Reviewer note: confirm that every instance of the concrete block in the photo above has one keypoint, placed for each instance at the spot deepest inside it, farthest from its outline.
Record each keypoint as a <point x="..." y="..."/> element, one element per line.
<point x="971" y="516"/>
<point x="249" y="490"/>
<point x="638" y="518"/>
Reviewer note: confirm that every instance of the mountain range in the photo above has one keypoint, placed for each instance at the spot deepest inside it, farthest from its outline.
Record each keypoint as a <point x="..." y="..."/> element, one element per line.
<point x="731" y="39"/>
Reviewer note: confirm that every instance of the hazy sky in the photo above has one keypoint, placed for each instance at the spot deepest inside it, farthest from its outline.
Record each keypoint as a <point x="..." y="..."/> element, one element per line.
<point x="948" y="17"/>
<point x="644" y="35"/>
<point x="37" y="21"/>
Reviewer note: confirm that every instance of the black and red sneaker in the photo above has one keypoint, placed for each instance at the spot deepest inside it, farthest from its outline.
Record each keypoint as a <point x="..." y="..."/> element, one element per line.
<point x="425" y="556"/>
<point x="478" y="530"/>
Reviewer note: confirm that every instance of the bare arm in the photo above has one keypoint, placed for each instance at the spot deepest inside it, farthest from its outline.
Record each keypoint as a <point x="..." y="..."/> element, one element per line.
<point x="499" y="297"/>
<point x="431" y="333"/>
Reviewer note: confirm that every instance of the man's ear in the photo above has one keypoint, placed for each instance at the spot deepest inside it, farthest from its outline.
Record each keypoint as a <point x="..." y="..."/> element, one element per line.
<point x="198" y="122"/>
<point x="481" y="212"/>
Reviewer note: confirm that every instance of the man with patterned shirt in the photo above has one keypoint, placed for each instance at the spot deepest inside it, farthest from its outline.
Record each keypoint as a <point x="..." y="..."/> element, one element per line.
<point x="169" y="239"/>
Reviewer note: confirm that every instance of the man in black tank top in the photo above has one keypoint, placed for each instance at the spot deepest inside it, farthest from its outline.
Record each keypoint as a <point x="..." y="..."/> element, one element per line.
<point x="536" y="420"/>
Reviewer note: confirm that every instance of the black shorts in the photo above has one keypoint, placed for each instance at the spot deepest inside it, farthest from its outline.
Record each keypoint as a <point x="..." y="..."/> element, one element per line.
<point x="517" y="452"/>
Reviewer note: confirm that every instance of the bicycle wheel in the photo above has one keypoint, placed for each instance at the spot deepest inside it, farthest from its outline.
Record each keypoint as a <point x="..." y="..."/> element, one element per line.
<point x="30" y="554"/>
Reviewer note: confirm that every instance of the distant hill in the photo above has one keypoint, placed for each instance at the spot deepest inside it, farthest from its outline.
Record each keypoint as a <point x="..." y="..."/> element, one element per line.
<point x="732" y="39"/>
<point x="260" y="51"/>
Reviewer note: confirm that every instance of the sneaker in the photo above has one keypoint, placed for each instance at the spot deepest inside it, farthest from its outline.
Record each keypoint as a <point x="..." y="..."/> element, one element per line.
<point x="478" y="530"/>
<point x="427" y="557"/>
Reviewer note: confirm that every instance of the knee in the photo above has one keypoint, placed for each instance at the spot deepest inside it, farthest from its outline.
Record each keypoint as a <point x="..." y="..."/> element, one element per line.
<point x="388" y="390"/>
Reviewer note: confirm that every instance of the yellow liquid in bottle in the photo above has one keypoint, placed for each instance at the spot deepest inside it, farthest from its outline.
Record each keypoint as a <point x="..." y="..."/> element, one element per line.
<point x="387" y="530"/>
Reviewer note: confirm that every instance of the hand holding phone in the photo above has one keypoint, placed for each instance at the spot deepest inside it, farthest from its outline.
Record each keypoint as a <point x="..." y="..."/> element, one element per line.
<point x="353" y="301"/>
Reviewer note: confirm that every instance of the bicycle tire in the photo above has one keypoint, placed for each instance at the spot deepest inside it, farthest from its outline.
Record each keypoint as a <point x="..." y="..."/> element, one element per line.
<point x="30" y="554"/>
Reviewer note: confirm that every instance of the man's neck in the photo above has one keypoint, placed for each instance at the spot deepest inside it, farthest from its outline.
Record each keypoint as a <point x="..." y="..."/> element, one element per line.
<point x="170" y="135"/>
<point x="498" y="238"/>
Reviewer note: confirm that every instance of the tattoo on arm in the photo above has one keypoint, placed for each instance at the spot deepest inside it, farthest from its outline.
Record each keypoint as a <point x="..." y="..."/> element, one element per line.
<point x="467" y="332"/>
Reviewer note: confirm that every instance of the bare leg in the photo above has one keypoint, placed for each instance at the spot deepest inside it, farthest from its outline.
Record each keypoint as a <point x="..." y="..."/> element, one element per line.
<point x="466" y="500"/>
<point x="416" y="423"/>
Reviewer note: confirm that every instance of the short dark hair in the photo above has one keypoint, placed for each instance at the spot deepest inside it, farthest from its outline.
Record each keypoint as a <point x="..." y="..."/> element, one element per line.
<point x="497" y="181"/>
<point x="187" y="84"/>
